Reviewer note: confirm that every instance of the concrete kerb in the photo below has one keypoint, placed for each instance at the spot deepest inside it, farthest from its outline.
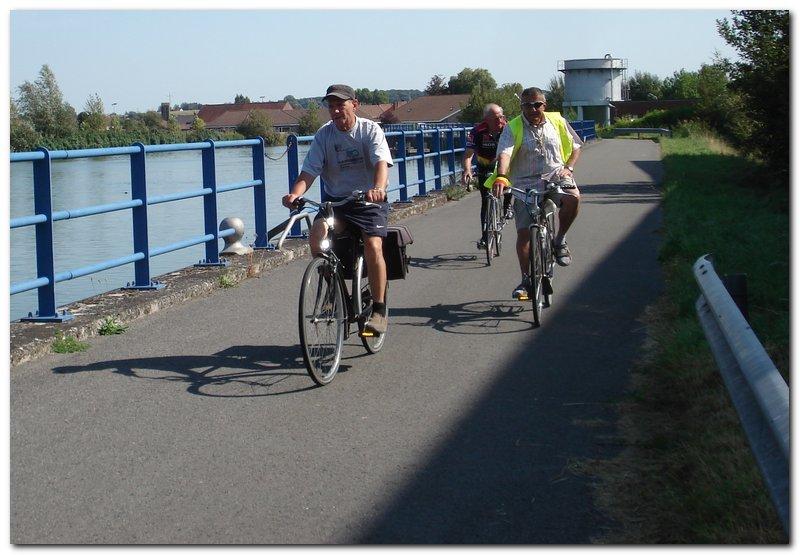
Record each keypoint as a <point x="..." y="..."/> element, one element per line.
<point x="32" y="340"/>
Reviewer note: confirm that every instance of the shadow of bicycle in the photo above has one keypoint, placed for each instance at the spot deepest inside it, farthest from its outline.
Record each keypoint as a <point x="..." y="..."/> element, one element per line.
<point x="448" y="261"/>
<point x="238" y="371"/>
<point x="470" y="318"/>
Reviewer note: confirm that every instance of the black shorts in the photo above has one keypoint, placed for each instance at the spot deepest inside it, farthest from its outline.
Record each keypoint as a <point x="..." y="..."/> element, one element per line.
<point x="371" y="219"/>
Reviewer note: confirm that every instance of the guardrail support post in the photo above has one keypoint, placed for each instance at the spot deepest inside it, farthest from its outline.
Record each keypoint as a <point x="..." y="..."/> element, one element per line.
<point x="210" y="208"/>
<point x="260" y="196"/>
<point x="437" y="160"/>
<point x="421" y="162"/>
<point x="141" y="242"/>
<point x="294" y="171"/>
<point x="45" y="264"/>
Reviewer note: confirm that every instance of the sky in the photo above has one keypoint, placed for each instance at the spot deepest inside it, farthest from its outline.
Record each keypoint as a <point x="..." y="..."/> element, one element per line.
<point x="140" y="58"/>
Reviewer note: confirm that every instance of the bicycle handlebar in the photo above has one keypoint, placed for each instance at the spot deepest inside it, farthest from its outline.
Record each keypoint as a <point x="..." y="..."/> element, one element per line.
<point x="357" y="196"/>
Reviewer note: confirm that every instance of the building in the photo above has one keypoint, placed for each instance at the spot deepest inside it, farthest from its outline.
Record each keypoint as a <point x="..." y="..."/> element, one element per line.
<point x="444" y="108"/>
<point x="591" y="85"/>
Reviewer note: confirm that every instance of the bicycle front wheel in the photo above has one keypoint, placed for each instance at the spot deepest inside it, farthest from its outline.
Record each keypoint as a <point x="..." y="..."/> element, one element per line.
<point x="322" y="320"/>
<point x="498" y="218"/>
<point x="536" y="268"/>
<point x="491" y="227"/>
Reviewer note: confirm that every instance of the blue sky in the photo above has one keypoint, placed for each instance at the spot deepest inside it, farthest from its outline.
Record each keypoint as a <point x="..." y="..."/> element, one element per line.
<point x="140" y="58"/>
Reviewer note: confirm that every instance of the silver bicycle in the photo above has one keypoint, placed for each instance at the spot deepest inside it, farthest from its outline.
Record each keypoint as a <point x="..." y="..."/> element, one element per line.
<point x="541" y="260"/>
<point x="327" y="309"/>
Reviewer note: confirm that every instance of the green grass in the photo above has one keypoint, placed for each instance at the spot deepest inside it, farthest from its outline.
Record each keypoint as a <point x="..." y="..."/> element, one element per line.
<point x="67" y="344"/>
<point x="111" y="326"/>
<point x="454" y="192"/>
<point x="227" y="280"/>
<point x="688" y="475"/>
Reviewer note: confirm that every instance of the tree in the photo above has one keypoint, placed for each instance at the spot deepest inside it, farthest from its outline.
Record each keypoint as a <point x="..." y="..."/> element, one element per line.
<point x="292" y="101"/>
<point x="241" y="99"/>
<point x="23" y="137"/>
<point x="762" y="39"/>
<point x="42" y="105"/>
<point x="481" y="96"/>
<point x="644" y="86"/>
<point x="257" y="124"/>
<point x="682" y="85"/>
<point x="309" y="122"/>
<point x="467" y="79"/>
<point x="93" y="117"/>
<point x="555" y="94"/>
<point x="436" y="86"/>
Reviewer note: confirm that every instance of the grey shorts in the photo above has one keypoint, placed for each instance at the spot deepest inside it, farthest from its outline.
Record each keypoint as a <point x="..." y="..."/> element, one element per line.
<point x="566" y="186"/>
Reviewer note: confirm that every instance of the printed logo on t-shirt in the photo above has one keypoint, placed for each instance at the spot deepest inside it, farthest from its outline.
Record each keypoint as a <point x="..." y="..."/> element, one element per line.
<point x="348" y="157"/>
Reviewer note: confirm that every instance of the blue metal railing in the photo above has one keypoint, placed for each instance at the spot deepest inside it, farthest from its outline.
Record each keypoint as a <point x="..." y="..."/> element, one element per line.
<point x="585" y="129"/>
<point x="433" y="143"/>
<point x="44" y="217"/>
<point x="407" y="146"/>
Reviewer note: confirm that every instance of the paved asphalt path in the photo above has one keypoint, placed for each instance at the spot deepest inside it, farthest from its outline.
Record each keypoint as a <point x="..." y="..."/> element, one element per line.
<point x="200" y="425"/>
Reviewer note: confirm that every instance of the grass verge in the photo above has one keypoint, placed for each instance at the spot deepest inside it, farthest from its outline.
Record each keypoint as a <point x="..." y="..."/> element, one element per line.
<point x="687" y="474"/>
<point x="67" y="344"/>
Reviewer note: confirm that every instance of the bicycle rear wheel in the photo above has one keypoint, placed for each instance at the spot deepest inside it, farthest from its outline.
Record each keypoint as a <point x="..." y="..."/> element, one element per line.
<point x="498" y="218"/>
<point x="321" y="314"/>
<point x="536" y="269"/>
<point x="375" y="343"/>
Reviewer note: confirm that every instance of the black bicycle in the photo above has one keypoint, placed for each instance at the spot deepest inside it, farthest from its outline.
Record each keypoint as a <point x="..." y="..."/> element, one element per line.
<point x="493" y="226"/>
<point x="327" y="309"/>
<point x="541" y="260"/>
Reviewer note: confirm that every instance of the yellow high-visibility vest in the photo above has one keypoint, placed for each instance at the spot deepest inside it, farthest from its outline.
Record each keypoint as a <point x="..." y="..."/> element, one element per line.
<point x="557" y="120"/>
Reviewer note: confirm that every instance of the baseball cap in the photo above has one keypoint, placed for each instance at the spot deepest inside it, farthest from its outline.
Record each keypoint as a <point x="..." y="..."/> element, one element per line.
<point x="341" y="91"/>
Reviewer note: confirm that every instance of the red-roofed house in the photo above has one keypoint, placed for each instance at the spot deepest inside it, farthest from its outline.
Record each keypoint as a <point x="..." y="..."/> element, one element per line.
<point x="443" y="108"/>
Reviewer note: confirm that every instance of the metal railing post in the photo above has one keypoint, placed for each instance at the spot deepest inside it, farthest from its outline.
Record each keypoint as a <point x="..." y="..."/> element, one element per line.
<point x="260" y="196"/>
<point x="421" y="162"/>
<point x="45" y="264"/>
<point x="294" y="171"/>
<point x="401" y="169"/>
<point x="437" y="160"/>
<point x="141" y="242"/>
<point x="210" y="207"/>
<point x="451" y="147"/>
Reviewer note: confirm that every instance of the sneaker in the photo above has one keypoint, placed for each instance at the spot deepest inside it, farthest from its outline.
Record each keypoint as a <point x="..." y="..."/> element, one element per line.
<point x="481" y="245"/>
<point x="522" y="290"/>
<point x="563" y="256"/>
<point x="509" y="213"/>
<point x="377" y="323"/>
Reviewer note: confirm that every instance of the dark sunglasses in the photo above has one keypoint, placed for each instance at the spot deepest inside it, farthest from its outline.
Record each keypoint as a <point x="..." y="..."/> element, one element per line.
<point x="538" y="104"/>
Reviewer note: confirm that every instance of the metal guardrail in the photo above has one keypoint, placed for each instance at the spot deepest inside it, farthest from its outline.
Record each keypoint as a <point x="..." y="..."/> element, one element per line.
<point x="431" y="142"/>
<point x="639" y="130"/>
<point x="758" y="391"/>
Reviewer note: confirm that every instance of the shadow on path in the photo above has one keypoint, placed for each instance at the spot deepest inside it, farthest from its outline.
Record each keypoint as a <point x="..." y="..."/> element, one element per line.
<point x="238" y="371"/>
<point x="513" y="470"/>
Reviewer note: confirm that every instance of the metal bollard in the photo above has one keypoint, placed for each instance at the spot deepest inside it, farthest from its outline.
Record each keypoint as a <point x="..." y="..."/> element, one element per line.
<point x="233" y="242"/>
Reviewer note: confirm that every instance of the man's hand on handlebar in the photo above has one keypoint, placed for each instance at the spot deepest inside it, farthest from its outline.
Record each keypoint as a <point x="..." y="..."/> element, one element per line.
<point x="376" y="194"/>
<point x="497" y="188"/>
<point x="290" y="201"/>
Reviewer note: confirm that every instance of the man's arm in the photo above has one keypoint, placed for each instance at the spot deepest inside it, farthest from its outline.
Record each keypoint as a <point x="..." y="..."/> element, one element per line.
<point x="379" y="181"/>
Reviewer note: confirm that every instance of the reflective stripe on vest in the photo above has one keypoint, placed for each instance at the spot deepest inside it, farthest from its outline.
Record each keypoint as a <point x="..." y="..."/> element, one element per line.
<point x="556" y="120"/>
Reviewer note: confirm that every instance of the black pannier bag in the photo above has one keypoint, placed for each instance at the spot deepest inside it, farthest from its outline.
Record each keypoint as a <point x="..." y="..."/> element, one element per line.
<point x="398" y="237"/>
<point x="394" y="252"/>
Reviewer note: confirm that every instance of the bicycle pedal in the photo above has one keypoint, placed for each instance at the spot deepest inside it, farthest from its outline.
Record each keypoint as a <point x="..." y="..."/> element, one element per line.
<point x="523" y="298"/>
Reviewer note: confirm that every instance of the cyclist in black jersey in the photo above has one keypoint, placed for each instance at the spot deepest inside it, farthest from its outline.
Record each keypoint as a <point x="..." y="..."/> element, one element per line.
<point x="482" y="143"/>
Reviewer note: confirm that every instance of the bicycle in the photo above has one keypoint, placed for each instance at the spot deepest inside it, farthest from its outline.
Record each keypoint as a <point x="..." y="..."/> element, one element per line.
<point x="541" y="258"/>
<point x="326" y="308"/>
<point x="493" y="226"/>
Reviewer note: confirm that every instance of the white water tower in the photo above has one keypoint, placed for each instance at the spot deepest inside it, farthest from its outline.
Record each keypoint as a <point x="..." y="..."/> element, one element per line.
<point x="592" y="84"/>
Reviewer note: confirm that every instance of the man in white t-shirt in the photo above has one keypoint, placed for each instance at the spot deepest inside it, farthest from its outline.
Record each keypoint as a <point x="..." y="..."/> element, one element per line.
<point x="351" y="154"/>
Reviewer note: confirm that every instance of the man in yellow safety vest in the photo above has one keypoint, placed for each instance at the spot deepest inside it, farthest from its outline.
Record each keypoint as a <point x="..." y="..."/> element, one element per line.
<point x="535" y="147"/>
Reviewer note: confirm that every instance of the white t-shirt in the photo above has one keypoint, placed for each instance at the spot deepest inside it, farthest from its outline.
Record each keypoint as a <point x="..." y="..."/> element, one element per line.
<point x="346" y="159"/>
<point x="539" y="154"/>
